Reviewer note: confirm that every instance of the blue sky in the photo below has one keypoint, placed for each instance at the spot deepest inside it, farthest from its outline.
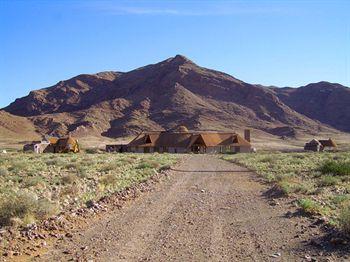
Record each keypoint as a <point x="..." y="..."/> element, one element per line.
<point x="282" y="43"/>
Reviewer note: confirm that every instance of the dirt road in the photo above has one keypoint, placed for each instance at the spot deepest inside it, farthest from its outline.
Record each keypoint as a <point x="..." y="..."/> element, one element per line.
<point x="208" y="210"/>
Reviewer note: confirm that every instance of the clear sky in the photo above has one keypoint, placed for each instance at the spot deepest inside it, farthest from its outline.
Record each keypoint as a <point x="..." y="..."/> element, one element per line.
<point x="282" y="43"/>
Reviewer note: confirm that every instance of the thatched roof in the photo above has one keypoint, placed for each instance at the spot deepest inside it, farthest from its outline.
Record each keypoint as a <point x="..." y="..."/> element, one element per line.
<point x="325" y="143"/>
<point x="329" y="142"/>
<point x="63" y="142"/>
<point x="313" y="142"/>
<point x="187" y="139"/>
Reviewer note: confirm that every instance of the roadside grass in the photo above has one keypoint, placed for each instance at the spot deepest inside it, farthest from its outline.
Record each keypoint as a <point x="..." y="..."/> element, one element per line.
<point x="36" y="186"/>
<point x="319" y="181"/>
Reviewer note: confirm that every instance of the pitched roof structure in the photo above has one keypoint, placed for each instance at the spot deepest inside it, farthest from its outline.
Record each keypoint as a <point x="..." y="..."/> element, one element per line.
<point x="329" y="142"/>
<point x="313" y="142"/>
<point x="184" y="138"/>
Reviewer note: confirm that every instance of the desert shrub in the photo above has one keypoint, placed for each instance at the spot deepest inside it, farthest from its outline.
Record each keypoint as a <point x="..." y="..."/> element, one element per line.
<point x="148" y="164"/>
<point x="44" y="209"/>
<point x="108" y="179"/>
<point x="127" y="160"/>
<point x="3" y="171"/>
<point x="109" y="167"/>
<point x="164" y="167"/>
<point x="16" y="205"/>
<point x="336" y="168"/>
<point x="268" y="159"/>
<point x="15" y="178"/>
<point x="310" y="206"/>
<point x="55" y="162"/>
<point x="17" y="166"/>
<point x="82" y="171"/>
<point x="32" y="181"/>
<point x="328" y="181"/>
<point x="339" y="199"/>
<point x="68" y="179"/>
<point x="93" y="150"/>
<point x="344" y="219"/>
<point x="304" y="188"/>
<point x="289" y="185"/>
<point x="71" y="166"/>
<point x="71" y="189"/>
<point x="88" y="162"/>
<point x="270" y="177"/>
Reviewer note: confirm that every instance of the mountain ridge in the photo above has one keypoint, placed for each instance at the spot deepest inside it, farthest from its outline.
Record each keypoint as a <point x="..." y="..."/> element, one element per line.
<point x="177" y="91"/>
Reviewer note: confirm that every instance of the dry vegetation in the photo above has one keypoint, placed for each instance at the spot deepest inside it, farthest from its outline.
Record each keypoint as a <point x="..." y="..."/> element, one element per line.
<point x="319" y="181"/>
<point x="34" y="187"/>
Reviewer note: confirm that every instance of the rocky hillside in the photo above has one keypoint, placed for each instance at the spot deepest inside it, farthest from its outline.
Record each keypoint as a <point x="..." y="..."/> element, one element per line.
<point x="326" y="102"/>
<point x="177" y="91"/>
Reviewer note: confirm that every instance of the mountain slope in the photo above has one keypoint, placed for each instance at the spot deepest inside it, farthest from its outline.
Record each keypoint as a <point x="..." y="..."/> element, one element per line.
<point x="16" y="127"/>
<point x="327" y="102"/>
<point x="163" y="95"/>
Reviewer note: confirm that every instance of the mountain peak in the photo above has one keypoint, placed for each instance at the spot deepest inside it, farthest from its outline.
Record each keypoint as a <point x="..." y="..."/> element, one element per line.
<point x="180" y="59"/>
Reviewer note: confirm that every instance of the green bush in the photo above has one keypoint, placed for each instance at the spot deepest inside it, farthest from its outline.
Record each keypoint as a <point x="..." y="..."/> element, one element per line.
<point x="328" y="181"/>
<point x="336" y="168"/>
<point x="45" y="209"/>
<point x="339" y="199"/>
<point x="33" y="181"/>
<point x="109" y="167"/>
<point x="16" y="205"/>
<point x="344" y="219"/>
<point x="55" y="162"/>
<point x="93" y="150"/>
<point x="311" y="207"/>
<point x="164" y="167"/>
<point x="108" y="179"/>
<point x="148" y="164"/>
<point x="17" y="166"/>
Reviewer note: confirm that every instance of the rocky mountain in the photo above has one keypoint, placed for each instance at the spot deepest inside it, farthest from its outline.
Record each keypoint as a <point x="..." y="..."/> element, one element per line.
<point x="326" y="102"/>
<point x="177" y="91"/>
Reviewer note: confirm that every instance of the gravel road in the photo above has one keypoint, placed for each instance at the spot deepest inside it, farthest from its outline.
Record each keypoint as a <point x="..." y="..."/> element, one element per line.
<point x="207" y="210"/>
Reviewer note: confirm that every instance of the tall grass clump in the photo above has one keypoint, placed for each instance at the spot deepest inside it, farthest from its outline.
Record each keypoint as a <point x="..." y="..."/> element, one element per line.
<point x="148" y="164"/>
<point x="344" y="219"/>
<point x="311" y="207"/>
<point x="336" y="168"/>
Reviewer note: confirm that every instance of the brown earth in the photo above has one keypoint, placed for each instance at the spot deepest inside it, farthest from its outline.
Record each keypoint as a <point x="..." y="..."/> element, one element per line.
<point x="207" y="210"/>
<point x="177" y="91"/>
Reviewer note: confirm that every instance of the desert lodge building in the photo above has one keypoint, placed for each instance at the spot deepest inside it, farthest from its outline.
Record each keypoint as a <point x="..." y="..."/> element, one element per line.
<point x="181" y="140"/>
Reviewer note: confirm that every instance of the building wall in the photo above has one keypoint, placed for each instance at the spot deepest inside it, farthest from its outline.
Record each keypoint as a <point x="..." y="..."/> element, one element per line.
<point x="245" y="149"/>
<point x="213" y="149"/>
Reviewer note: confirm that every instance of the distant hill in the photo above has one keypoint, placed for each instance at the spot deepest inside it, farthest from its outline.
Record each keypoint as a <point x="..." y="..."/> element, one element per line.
<point x="174" y="92"/>
<point x="326" y="102"/>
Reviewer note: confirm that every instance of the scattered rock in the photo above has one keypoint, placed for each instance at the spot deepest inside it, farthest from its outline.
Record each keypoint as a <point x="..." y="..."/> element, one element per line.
<point x="276" y="254"/>
<point x="84" y="248"/>
<point x="274" y="202"/>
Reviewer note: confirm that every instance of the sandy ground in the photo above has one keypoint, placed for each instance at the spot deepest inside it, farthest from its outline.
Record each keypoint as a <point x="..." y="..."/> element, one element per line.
<point x="207" y="210"/>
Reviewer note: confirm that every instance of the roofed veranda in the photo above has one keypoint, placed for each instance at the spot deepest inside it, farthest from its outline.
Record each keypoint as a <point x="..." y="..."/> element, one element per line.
<point x="181" y="140"/>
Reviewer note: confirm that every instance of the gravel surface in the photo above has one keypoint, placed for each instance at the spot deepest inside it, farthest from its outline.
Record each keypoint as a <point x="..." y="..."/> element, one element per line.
<point x="207" y="210"/>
